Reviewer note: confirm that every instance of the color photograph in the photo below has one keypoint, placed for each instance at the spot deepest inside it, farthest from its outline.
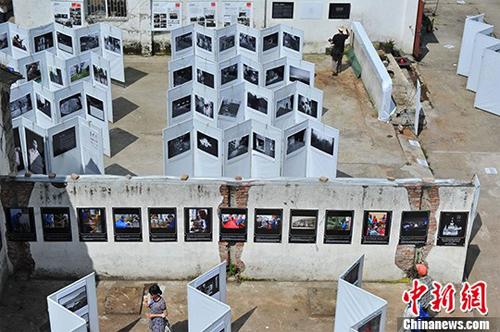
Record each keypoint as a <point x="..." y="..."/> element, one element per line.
<point x="414" y="226"/>
<point x="338" y="226"/>
<point x="376" y="227"/>
<point x="20" y="224"/>
<point x="79" y="71"/>
<point x="92" y="224"/>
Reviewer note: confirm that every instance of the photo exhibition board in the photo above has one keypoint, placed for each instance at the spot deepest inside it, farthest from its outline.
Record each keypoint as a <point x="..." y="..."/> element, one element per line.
<point x="300" y="70"/>
<point x="113" y="50"/>
<point x="205" y="43"/>
<point x="31" y="144"/>
<point x="259" y="103"/>
<point x="231" y="109"/>
<point x="5" y="40"/>
<point x="226" y="44"/>
<point x="182" y="41"/>
<point x="42" y="38"/>
<point x="205" y="104"/>
<point x="202" y="13"/>
<point x="207" y="297"/>
<point x="179" y="104"/>
<point x="69" y="13"/>
<point x="166" y="15"/>
<point x="33" y="68"/>
<point x="74" y="307"/>
<point x="89" y="39"/>
<point x="44" y="106"/>
<point x="248" y="41"/>
<point x="487" y="96"/>
<point x="481" y="43"/>
<point x="236" y="12"/>
<point x="275" y="73"/>
<point x="19" y="40"/>
<point x="292" y="42"/>
<point x="22" y="102"/>
<point x="271" y="39"/>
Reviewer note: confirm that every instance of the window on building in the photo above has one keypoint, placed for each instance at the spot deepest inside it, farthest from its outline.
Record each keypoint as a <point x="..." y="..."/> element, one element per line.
<point x="107" y="8"/>
<point x="282" y="10"/>
<point x="339" y="11"/>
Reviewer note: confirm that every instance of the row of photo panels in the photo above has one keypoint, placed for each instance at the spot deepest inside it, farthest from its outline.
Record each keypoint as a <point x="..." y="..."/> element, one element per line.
<point x="268" y="225"/>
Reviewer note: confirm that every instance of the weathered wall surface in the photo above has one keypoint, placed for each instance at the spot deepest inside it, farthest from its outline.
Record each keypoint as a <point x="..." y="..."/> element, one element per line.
<point x="282" y="261"/>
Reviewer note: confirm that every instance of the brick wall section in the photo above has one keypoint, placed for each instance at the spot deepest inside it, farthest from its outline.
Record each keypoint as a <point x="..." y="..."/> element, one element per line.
<point x="421" y="198"/>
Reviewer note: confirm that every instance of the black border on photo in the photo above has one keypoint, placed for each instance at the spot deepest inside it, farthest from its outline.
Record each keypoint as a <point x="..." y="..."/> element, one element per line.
<point x="198" y="236"/>
<point x="160" y="234"/>
<point x="325" y="146"/>
<point x="56" y="233"/>
<point x="460" y="220"/>
<point x="127" y="234"/>
<point x="183" y="75"/>
<point x="66" y="40"/>
<point x="271" y="234"/>
<point x="291" y="41"/>
<point x="20" y="234"/>
<point x="339" y="11"/>
<point x="177" y="145"/>
<point x="64" y="141"/>
<point x="303" y="235"/>
<point x="376" y="239"/>
<point x="95" y="103"/>
<point x="86" y="233"/>
<point x="278" y="75"/>
<point x="411" y="230"/>
<point x="270" y="41"/>
<point x="300" y="137"/>
<point x="48" y="41"/>
<point x="282" y="10"/>
<point x="213" y="149"/>
<point x="184" y="41"/>
<point x="339" y="235"/>
<point x="233" y="234"/>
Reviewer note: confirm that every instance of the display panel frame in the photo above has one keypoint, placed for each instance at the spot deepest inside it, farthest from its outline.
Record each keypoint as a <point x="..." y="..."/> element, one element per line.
<point x="56" y="234"/>
<point x="22" y="234"/>
<point x="376" y="239"/>
<point x="266" y="233"/>
<point x="303" y="232"/>
<point x="339" y="235"/>
<point x="126" y="234"/>
<point x="157" y="234"/>
<point x="90" y="236"/>
<point x="191" y="235"/>
<point x="233" y="232"/>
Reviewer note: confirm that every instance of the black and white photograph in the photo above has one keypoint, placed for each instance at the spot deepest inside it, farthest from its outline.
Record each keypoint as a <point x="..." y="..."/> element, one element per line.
<point x="282" y="9"/>
<point x="264" y="145"/>
<point x="270" y="41"/>
<point x="44" y="42"/>
<point x="4" y="40"/>
<point x="203" y="106"/>
<point x="19" y="42"/>
<point x="181" y="106"/>
<point x="229" y="107"/>
<point x="179" y="145"/>
<point x="184" y="41"/>
<point x="338" y="226"/>
<point x="56" y="224"/>
<point x="452" y="228"/>
<point x="204" y="42"/>
<point x="70" y="104"/>
<point x="308" y="106"/>
<point x="268" y="225"/>
<point x="296" y="141"/>
<point x="237" y="147"/>
<point x="55" y="75"/>
<point x="291" y="41"/>
<point x="21" y="105"/>
<point x="18" y="152"/>
<point x="43" y="105"/>
<point x="100" y="75"/>
<point x="92" y="224"/>
<point x="127" y="224"/>
<point x="257" y="103"/>
<point x="210" y="287"/>
<point x="79" y="71"/>
<point x="33" y="72"/>
<point x="183" y="75"/>
<point x="89" y="42"/>
<point x="20" y="224"/>
<point x="301" y="75"/>
<point x="322" y="141"/>
<point x="229" y="74"/>
<point x="64" y="141"/>
<point x="64" y="42"/>
<point x="414" y="226"/>
<point x="208" y="144"/>
<point x="226" y="42"/>
<point x="275" y="75"/>
<point x="112" y="44"/>
<point x="162" y="224"/>
<point x="248" y="42"/>
<point x="198" y="224"/>
<point x="303" y="225"/>
<point x="159" y="20"/>
<point x="205" y="78"/>
<point x="36" y="152"/>
<point x="284" y="106"/>
<point x="95" y="107"/>
<point x="250" y="74"/>
<point x="75" y="300"/>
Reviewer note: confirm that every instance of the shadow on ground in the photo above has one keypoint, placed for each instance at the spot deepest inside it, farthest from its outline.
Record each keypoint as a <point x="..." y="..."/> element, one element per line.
<point x="120" y="139"/>
<point x="122" y="107"/>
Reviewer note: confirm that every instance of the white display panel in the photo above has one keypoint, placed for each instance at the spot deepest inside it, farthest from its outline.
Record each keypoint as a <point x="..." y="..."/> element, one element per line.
<point x="301" y="71"/>
<point x="181" y="71"/>
<point x="285" y="100"/>
<point x="205" y="43"/>
<point x="166" y="15"/>
<point x="43" y="38"/>
<point x="275" y="73"/>
<point x="237" y="12"/>
<point x="259" y="103"/>
<point x="226" y="43"/>
<point x="22" y="102"/>
<point x="57" y="72"/>
<point x="69" y="102"/>
<point x="271" y="39"/>
<point x="203" y="13"/>
<point x="97" y="103"/>
<point x="230" y="72"/>
<point x="292" y="42"/>
<point x="78" y="69"/>
<point x="89" y="39"/>
<point x="487" y="96"/>
<point x="112" y="44"/>
<point x="65" y="42"/>
<point x="179" y="104"/>
<point x="182" y="42"/>
<point x="34" y="68"/>
<point x="69" y="13"/>
<point x="45" y="108"/>
<point x="481" y="43"/>
<point x="248" y="41"/>
<point x="33" y="145"/>
<point x="418" y="107"/>
<point x="231" y="106"/>
<point x="19" y="40"/>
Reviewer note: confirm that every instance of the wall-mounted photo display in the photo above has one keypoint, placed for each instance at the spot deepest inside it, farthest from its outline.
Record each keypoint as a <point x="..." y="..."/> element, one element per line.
<point x="291" y="41"/>
<point x="112" y="44"/>
<point x="198" y="224"/>
<point x="33" y="72"/>
<point x="376" y="227"/>
<point x="303" y="225"/>
<point x="270" y="41"/>
<point x="452" y="228"/>
<point x="162" y="224"/>
<point x="237" y="12"/>
<point x="248" y="42"/>
<point x="227" y="42"/>
<point x="203" y="13"/>
<point x="282" y="9"/>
<point x="237" y="147"/>
<point x="301" y="75"/>
<point x="95" y="107"/>
<point x="55" y="75"/>
<point x="338" y="226"/>
<point x="4" y="40"/>
<point x="296" y="141"/>
<point x="284" y="106"/>
<point x="229" y="74"/>
<point x="250" y="74"/>
<point x="340" y="11"/>
<point x="229" y="107"/>
<point x="100" y="75"/>
<point x="264" y="145"/>
<point x="184" y="41"/>
<point x="204" y="106"/>
<point x="275" y="75"/>
<point x="181" y="106"/>
<point x="233" y="224"/>
<point x="268" y="225"/>
<point x="208" y="144"/>
<point x="20" y="224"/>
<point x="210" y="287"/>
<point x="89" y="42"/>
<point x="64" y="42"/>
<point x="79" y="71"/>
<point x="414" y="226"/>
<point x="322" y="142"/>
<point x="179" y="145"/>
<point x="21" y="105"/>
<point x="183" y="75"/>
<point x="127" y="224"/>
<point x="308" y="106"/>
<point x="64" y="141"/>
<point x="204" y="42"/>
<point x="92" y="224"/>
<point x="36" y="152"/>
<point x="56" y="224"/>
<point x="70" y="104"/>
<point x="205" y="78"/>
<point x="257" y="103"/>
<point x="18" y="152"/>
<point x="44" y="42"/>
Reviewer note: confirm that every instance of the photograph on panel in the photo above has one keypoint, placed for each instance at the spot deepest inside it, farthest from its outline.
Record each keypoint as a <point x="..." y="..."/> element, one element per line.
<point x="291" y="41"/>
<point x="210" y="287"/>
<point x="43" y="105"/>
<point x="64" y="42"/>
<point x="181" y="106"/>
<point x="270" y="41"/>
<point x="198" y="224"/>
<point x="64" y="141"/>
<point x="183" y="75"/>
<point x="127" y="224"/>
<point x="4" y="40"/>
<point x="275" y="75"/>
<point x="233" y="224"/>
<point x="204" y="42"/>
<point x="92" y="224"/>
<point x="237" y="147"/>
<point x="183" y="41"/>
<point x="322" y="141"/>
<point x="100" y="75"/>
<point x="205" y="78"/>
<point x="21" y="105"/>
<point x="18" y="152"/>
<point x="257" y="103"/>
<point x="308" y="106"/>
<point x="229" y="74"/>
<point x="36" y="152"/>
<point x="44" y="42"/>
<point x="376" y="227"/>
<point x="162" y="224"/>
<point x="89" y="42"/>
<point x="112" y="44"/>
<point x="268" y="221"/>
<point x="248" y="42"/>
<point x="179" y="145"/>
<point x="95" y="107"/>
<point x="56" y="224"/>
<point x="264" y="145"/>
<point x="296" y="141"/>
<point x="33" y="72"/>
<point x="204" y="106"/>
<point x="226" y="42"/>
<point x="301" y="75"/>
<point x="55" y="75"/>
<point x="303" y="225"/>
<point x="284" y="106"/>
<point x="229" y="107"/>
<point x="20" y="224"/>
<point x="414" y="226"/>
<point x="70" y="104"/>
<point x="79" y="71"/>
<point x="75" y="300"/>
<point x="338" y="226"/>
<point x="19" y="42"/>
<point x="250" y="74"/>
<point x="452" y="228"/>
<point x="208" y="144"/>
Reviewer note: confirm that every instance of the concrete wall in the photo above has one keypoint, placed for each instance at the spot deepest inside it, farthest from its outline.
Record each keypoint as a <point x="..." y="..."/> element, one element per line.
<point x="282" y="261"/>
<point x="384" y="20"/>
